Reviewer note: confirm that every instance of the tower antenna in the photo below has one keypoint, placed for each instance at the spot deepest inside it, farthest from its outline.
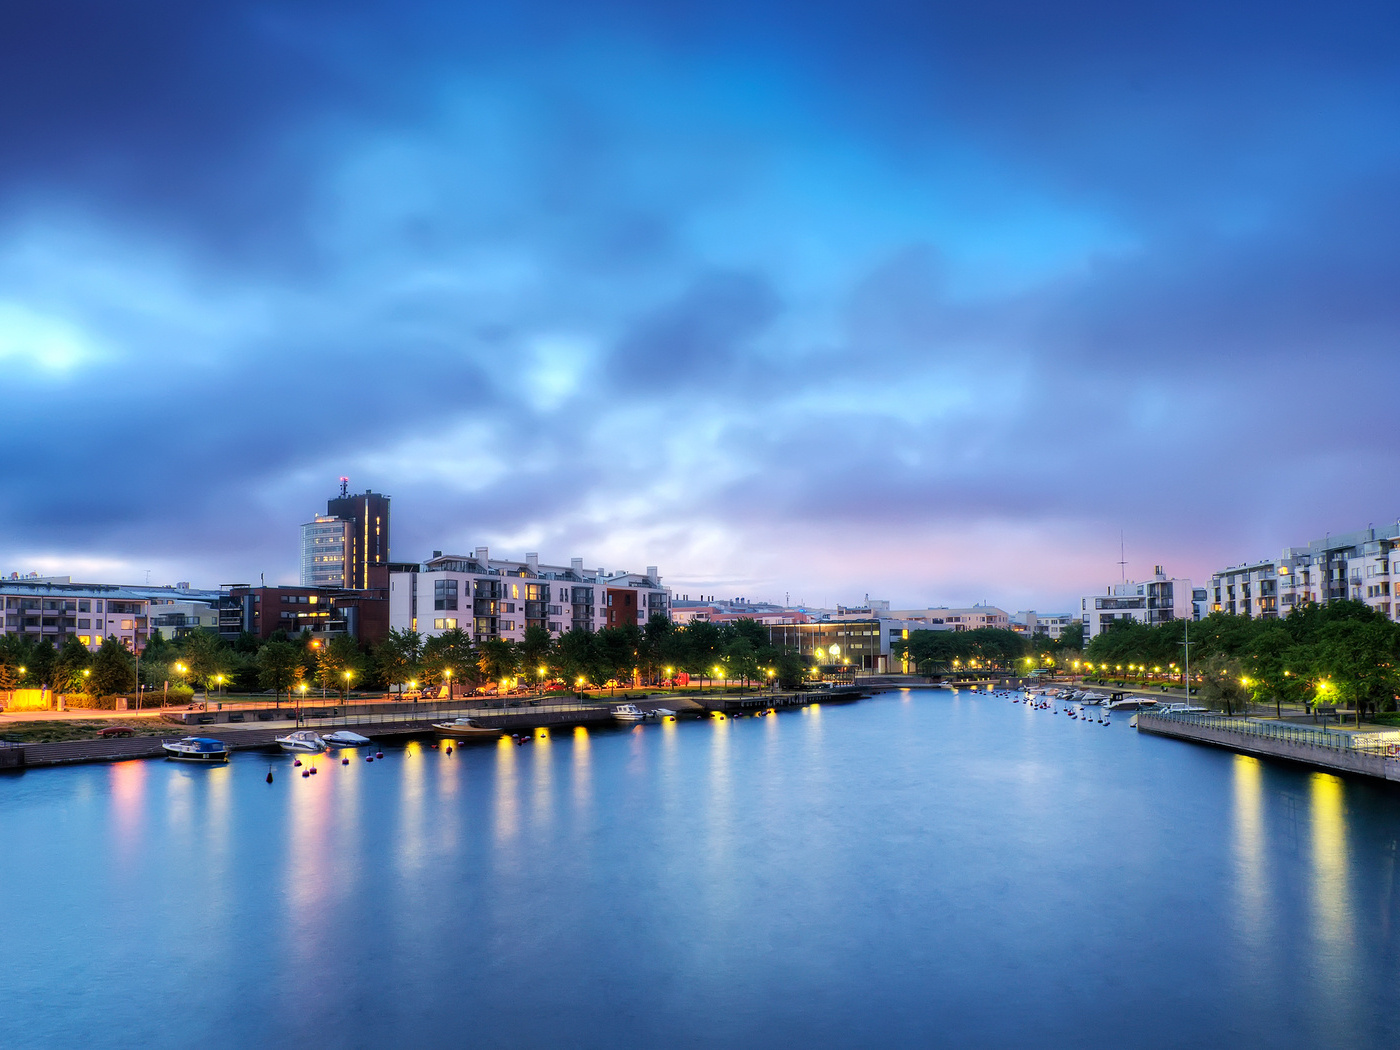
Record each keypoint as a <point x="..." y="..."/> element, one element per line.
<point x="344" y="486"/>
<point x="1122" y="558"/>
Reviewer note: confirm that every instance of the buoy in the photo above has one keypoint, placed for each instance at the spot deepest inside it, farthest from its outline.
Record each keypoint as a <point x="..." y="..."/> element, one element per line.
<point x="449" y="750"/>
<point x="269" y="774"/>
<point x="296" y="761"/>
<point x="344" y="761"/>
<point x="313" y="770"/>
<point x="379" y="754"/>
<point x="306" y="772"/>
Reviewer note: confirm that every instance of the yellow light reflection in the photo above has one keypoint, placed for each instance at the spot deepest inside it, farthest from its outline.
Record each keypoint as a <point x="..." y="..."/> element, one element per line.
<point x="542" y="759"/>
<point x="506" y="803"/>
<point x="1331" y="900"/>
<point x="1250" y="877"/>
<point x="582" y="768"/>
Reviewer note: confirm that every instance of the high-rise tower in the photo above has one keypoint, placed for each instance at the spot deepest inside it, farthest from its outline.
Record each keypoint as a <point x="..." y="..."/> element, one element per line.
<point x="365" y="543"/>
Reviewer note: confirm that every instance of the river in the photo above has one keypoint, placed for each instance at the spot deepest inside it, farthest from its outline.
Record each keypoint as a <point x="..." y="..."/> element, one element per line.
<point x="920" y="869"/>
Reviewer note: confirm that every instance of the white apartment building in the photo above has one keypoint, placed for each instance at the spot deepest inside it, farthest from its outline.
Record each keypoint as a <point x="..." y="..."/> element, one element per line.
<point x="969" y="619"/>
<point x="1356" y="565"/>
<point x="499" y="599"/>
<point x="325" y="543"/>
<point x="89" y="612"/>
<point x="1156" y="600"/>
<point x="1051" y="625"/>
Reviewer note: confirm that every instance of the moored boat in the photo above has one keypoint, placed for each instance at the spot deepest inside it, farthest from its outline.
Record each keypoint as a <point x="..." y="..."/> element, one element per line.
<point x="302" y="742"/>
<point x="345" y="738"/>
<point x="660" y="714"/>
<point x="466" y="727"/>
<point x="628" y="713"/>
<point x="196" y="749"/>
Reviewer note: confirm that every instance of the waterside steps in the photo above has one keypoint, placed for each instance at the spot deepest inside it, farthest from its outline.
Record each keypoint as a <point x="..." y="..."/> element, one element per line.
<point x="1361" y="752"/>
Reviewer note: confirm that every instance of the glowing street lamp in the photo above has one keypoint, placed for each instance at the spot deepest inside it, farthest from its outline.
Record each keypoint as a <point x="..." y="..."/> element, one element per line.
<point x="447" y="673"/>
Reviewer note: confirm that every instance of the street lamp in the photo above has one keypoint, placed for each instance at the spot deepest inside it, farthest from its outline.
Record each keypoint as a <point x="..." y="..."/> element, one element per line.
<point x="447" y="673"/>
<point x="671" y="677"/>
<point x="346" y="693"/>
<point x="301" y="686"/>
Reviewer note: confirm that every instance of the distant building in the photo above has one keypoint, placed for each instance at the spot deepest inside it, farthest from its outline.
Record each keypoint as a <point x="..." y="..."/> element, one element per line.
<point x="348" y="546"/>
<point x="499" y="599"/>
<point x="1356" y="565"/>
<point x="57" y="609"/>
<point x="1157" y="600"/>
<point x="363" y="614"/>
<point x="1048" y="625"/>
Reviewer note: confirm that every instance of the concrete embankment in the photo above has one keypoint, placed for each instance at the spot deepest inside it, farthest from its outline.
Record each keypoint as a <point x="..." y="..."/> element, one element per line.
<point x="371" y="724"/>
<point x="1309" y="748"/>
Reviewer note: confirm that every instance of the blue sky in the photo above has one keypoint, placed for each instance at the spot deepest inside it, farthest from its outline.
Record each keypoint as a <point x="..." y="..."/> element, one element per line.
<point x="925" y="301"/>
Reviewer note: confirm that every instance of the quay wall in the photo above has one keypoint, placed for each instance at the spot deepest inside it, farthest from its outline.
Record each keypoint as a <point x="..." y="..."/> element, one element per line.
<point x="1336" y="760"/>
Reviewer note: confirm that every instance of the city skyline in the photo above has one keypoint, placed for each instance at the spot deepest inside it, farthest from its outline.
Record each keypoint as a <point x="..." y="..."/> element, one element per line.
<point x="927" y="306"/>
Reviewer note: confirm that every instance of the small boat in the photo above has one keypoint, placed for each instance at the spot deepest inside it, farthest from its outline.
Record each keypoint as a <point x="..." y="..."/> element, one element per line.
<point x="345" y="738"/>
<point x="196" y="749"/>
<point x="660" y="714"/>
<point x="302" y="742"/>
<point x="466" y="727"/>
<point x="627" y="713"/>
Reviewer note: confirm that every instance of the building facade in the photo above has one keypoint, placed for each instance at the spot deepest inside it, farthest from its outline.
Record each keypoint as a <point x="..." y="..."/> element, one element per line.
<point x="1358" y="566"/>
<point x="363" y="614"/>
<point x="1153" y="601"/>
<point x="348" y="546"/>
<point x="500" y="598"/>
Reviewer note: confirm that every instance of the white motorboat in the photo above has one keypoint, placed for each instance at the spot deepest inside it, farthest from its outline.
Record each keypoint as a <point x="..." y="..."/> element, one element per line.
<point x="660" y="714"/>
<point x="466" y="728"/>
<point x="302" y="742"/>
<point x="196" y="749"/>
<point x="628" y="713"/>
<point x="345" y="738"/>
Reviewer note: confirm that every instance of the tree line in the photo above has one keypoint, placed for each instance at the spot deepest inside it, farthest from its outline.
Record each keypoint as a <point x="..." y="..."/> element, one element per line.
<point x="1343" y="652"/>
<point x="737" y="651"/>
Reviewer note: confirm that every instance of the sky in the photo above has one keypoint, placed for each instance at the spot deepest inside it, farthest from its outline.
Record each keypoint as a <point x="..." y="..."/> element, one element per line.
<point x="931" y="302"/>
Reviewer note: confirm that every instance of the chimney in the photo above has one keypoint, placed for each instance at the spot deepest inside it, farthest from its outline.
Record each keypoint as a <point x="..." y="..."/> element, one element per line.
<point x="533" y="561"/>
<point x="483" y="555"/>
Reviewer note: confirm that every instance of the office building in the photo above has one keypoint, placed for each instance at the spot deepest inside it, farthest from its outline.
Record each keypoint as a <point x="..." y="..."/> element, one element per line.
<point x="348" y="546"/>
<point x="1153" y="601"/>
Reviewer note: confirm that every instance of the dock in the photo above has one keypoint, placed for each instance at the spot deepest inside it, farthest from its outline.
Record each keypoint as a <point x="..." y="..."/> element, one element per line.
<point x="1371" y="754"/>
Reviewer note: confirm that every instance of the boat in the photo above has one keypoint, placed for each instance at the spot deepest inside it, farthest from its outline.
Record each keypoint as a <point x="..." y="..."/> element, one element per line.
<point x="466" y="727"/>
<point x="196" y="749"/>
<point x="1130" y="703"/>
<point x="627" y="713"/>
<point x="345" y="738"/>
<point x="302" y="742"/>
<point x="660" y="714"/>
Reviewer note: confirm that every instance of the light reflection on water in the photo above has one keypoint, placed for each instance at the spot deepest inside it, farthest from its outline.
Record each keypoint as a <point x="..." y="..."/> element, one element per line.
<point x="884" y="873"/>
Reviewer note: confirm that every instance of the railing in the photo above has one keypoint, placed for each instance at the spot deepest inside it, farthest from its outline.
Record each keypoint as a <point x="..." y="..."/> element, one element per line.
<point x="1383" y="743"/>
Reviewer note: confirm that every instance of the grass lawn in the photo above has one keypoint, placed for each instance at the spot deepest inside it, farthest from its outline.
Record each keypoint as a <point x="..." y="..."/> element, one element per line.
<point x="48" y="732"/>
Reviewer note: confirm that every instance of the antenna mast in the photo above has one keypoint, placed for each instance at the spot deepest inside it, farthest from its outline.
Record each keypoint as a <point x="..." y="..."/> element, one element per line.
<point x="344" y="487"/>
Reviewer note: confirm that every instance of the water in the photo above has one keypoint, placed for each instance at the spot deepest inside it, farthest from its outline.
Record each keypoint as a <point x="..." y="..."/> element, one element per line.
<point x="914" y="870"/>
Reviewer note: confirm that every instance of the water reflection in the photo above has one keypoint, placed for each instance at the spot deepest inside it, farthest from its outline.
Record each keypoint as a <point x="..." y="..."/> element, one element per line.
<point x="411" y="854"/>
<point x="1331" y="903"/>
<point x="1250" y="874"/>
<point x="505" y="803"/>
<point x="582" y="769"/>
<point x="542" y="759"/>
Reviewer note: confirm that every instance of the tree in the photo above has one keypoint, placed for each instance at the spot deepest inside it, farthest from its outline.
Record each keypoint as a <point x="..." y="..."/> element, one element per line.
<point x="742" y="659"/>
<point x="448" y="657"/>
<point x="113" y="669"/>
<point x="1360" y="657"/>
<point x="574" y="658"/>
<point x="398" y="656"/>
<point x="73" y="659"/>
<point x="497" y="659"/>
<point x="279" y="662"/>
<point x="338" y="663"/>
<point x="1222" y="683"/>
<point x="205" y="657"/>
<point x="535" y="651"/>
<point x="9" y="678"/>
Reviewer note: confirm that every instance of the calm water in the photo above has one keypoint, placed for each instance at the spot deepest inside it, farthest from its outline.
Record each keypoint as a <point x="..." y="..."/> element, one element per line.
<point x="915" y="870"/>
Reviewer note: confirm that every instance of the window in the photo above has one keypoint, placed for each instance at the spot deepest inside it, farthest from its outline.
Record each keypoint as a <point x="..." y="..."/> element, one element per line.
<point x="554" y="626"/>
<point x="85" y="639"/>
<point x="84" y="625"/>
<point x="515" y="590"/>
<point x="128" y="625"/>
<point x="445" y="594"/>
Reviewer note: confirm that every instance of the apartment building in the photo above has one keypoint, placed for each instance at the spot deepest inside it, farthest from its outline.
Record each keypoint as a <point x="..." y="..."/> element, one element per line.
<point x="1153" y="601"/>
<point x="1356" y="565"/>
<point x="56" y="609"/>
<point x="1050" y="625"/>
<point x="262" y="611"/>
<point x="500" y="598"/>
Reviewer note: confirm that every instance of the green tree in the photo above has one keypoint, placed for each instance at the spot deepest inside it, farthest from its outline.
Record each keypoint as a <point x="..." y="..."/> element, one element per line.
<point x="113" y="669"/>
<point x="279" y="664"/>
<point x="73" y="660"/>
<point x="449" y="658"/>
<point x="497" y="659"/>
<point x="574" y="658"/>
<point x="741" y="658"/>
<point x="205" y="657"/>
<point x="1222" y="684"/>
<point x="1360" y="657"/>
<point x="535" y="652"/>
<point x="338" y="664"/>
<point x="399" y="656"/>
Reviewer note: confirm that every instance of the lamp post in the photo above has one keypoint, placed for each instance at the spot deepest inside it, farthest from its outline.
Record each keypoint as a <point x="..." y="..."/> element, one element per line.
<point x="345" y="695"/>
<point x="301" y="688"/>
<point x="447" y="673"/>
<point x="671" y="678"/>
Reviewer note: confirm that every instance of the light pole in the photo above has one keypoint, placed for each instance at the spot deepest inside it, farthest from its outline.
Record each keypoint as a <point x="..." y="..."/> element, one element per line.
<point x="671" y="678"/>
<point x="447" y="673"/>
<point x="345" y="696"/>
<point x="301" y="688"/>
